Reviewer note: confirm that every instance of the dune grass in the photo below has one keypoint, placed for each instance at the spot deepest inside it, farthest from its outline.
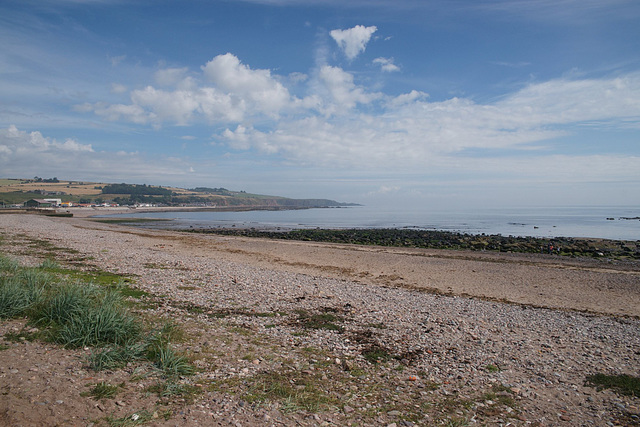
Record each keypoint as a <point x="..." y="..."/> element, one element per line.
<point x="77" y="314"/>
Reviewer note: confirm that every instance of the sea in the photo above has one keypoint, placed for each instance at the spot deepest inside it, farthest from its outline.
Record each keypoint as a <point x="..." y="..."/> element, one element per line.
<point x="606" y="222"/>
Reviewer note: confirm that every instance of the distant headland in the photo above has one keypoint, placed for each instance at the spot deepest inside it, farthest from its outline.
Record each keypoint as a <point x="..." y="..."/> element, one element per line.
<point x="54" y="193"/>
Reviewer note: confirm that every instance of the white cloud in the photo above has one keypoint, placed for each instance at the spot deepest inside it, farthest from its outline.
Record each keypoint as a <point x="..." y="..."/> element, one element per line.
<point x="24" y="154"/>
<point x="14" y="142"/>
<point x="410" y="133"/>
<point x="354" y="40"/>
<point x="177" y="106"/>
<point x="343" y="123"/>
<point x="233" y="93"/>
<point x="114" y="112"/>
<point x="386" y="64"/>
<point x="257" y="87"/>
<point x="118" y="88"/>
<point x="298" y="77"/>
<point x="343" y="92"/>
<point x="170" y="76"/>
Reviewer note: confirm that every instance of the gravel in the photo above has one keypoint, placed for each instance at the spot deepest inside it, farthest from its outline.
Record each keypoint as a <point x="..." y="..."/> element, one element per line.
<point x="539" y="357"/>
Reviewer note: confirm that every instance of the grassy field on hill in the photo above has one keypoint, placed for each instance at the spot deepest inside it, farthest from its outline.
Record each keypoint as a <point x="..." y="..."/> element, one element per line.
<point x="17" y="191"/>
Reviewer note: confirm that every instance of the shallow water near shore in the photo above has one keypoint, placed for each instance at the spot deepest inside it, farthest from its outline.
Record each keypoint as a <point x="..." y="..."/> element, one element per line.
<point x="593" y="222"/>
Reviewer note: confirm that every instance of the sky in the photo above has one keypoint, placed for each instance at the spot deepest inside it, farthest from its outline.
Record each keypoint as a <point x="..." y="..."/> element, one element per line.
<point x="429" y="103"/>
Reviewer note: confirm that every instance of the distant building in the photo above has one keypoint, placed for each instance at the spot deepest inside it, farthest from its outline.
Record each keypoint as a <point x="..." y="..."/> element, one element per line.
<point x="38" y="203"/>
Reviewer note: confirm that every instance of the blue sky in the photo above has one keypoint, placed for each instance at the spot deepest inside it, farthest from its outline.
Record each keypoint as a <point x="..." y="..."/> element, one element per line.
<point x="457" y="103"/>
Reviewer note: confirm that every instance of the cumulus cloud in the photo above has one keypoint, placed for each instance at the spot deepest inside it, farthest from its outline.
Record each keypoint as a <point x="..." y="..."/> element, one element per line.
<point x="342" y="90"/>
<point x="386" y="64"/>
<point x="25" y="154"/>
<point x="170" y="76"/>
<point x="14" y="142"/>
<point x="410" y="132"/>
<point x="231" y="92"/>
<point x="354" y="40"/>
<point x="341" y="121"/>
<point x="258" y="87"/>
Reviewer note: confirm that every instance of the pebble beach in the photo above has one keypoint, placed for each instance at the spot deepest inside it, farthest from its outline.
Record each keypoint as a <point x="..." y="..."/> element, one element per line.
<point x="513" y="337"/>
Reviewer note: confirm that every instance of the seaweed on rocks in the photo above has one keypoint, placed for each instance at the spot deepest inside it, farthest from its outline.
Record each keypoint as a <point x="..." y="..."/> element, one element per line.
<point x="434" y="239"/>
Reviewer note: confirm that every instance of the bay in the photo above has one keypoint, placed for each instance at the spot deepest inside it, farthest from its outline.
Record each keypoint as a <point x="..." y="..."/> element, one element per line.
<point x="593" y="222"/>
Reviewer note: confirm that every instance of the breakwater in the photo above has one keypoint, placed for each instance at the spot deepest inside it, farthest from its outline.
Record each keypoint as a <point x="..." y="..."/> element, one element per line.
<point x="433" y="239"/>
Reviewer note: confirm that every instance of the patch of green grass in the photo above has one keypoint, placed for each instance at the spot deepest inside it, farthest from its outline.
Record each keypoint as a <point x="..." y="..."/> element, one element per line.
<point x="21" y="290"/>
<point x="378" y="325"/>
<point x="621" y="384"/>
<point x="319" y="321"/>
<point x="50" y="264"/>
<point x="44" y="247"/>
<point x="89" y="313"/>
<point x="104" y="322"/>
<point x="173" y="364"/>
<point x="103" y="390"/>
<point x="114" y="357"/>
<point x="492" y="368"/>
<point x="375" y="353"/>
<point x="22" y="336"/>
<point x="135" y="419"/>
<point x="293" y="391"/>
<point x="172" y="389"/>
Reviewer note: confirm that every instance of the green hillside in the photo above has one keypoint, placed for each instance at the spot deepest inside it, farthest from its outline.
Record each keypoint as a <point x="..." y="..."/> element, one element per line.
<point x="17" y="191"/>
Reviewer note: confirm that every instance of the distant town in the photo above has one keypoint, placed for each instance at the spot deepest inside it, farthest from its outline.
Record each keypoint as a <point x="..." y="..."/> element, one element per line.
<point x="52" y="193"/>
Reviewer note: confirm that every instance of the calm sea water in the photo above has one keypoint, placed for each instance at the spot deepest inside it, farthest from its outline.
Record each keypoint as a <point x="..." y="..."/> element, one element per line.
<point x="535" y="222"/>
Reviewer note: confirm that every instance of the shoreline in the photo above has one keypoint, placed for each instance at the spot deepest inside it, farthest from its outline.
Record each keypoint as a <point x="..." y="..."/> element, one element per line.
<point x="90" y="212"/>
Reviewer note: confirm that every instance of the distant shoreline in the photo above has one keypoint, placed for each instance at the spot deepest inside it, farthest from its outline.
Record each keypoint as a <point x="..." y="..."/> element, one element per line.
<point x="87" y="212"/>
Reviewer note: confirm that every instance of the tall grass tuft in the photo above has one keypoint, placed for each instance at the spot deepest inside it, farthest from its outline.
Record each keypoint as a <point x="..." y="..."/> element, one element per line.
<point x="17" y="297"/>
<point x="49" y="264"/>
<point x="114" y="357"/>
<point x="87" y="315"/>
<point x="172" y="364"/>
<point x="64" y="303"/>
<point x="104" y="322"/>
<point x="8" y="266"/>
<point x="34" y="278"/>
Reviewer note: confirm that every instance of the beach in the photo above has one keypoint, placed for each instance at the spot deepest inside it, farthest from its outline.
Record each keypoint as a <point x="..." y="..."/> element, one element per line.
<point x="510" y="337"/>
